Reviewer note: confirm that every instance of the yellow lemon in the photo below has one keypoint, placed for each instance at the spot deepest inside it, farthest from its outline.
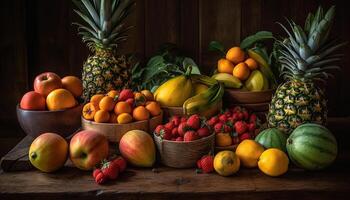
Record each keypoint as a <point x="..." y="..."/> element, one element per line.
<point x="249" y="152"/>
<point x="226" y="163"/>
<point x="273" y="162"/>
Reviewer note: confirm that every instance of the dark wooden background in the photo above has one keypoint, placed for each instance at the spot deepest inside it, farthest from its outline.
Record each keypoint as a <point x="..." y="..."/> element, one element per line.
<point x="37" y="36"/>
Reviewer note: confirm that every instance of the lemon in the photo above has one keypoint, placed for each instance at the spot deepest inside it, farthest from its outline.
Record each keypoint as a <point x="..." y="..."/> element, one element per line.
<point x="273" y="162"/>
<point x="249" y="152"/>
<point x="226" y="163"/>
<point x="255" y="81"/>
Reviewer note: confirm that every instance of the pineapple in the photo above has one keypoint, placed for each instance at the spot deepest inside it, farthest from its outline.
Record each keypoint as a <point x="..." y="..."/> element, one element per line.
<point x="104" y="30"/>
<point x="305" y="56"/>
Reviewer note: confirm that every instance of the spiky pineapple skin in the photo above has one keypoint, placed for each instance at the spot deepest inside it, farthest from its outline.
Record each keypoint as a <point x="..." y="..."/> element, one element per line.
<point x="296" y="102"/>
<point x="103" y="72"/>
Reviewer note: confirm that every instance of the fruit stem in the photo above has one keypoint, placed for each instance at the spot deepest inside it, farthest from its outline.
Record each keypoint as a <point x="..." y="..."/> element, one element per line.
<point x="33" y="155"/>
<point x="188" y="70"/>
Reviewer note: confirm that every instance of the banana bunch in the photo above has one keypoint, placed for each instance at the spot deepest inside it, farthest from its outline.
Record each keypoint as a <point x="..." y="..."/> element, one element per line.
<point x="205" y="103"/>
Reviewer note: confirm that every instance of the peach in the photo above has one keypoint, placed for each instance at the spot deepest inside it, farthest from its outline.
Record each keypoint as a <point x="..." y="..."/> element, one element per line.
<point x="33" y="101"/>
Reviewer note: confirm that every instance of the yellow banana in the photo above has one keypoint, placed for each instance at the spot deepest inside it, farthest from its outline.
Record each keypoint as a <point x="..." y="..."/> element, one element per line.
<point x="175" y="91"/>
<point x="228" y="80"/>
<point x="199" y="88"/>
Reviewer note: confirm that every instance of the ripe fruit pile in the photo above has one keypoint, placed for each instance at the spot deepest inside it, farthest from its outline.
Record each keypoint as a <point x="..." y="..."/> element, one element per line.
<point x="109" y="170"/>
<point x="237" y="67"/>
<point x="183" y="129"/>
<point x="121" y="107"/>
<point x="52" y="93"/>
<point x="233" y="126"/>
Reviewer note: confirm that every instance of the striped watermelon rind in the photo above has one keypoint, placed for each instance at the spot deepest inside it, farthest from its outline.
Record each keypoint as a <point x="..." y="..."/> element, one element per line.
<point x="272" y="138"/>
<point x="312" y="147"/>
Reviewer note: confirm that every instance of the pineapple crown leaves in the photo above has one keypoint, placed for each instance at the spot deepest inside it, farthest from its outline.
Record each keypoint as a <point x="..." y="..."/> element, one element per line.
<point x="104" y="21"/>
<point x="308" y="53"/>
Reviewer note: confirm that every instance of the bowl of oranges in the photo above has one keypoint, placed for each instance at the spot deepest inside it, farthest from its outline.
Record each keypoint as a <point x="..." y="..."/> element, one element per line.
<point x="53" y="105"/>
<point x="117" y="112"/>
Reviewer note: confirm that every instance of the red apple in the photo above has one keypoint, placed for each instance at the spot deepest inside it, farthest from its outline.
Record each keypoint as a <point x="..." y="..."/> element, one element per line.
<point x="46" y="82"/>
<point x="33" y="101"/>
<point x="87" y="149"/>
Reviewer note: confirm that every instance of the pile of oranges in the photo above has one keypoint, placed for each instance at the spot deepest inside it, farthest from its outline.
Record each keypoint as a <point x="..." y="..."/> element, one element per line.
<point x="121" y="107"/>
<point x="237" y="64"/>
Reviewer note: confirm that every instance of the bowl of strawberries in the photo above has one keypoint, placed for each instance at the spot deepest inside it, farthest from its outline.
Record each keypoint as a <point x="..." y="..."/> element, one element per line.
<point x="183" y="140"/>
<point x="233" y="126"/>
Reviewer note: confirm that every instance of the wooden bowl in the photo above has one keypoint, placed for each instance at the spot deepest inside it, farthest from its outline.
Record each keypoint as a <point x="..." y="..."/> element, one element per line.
<point x="114" y="132"/>
<point x="62" y="122"/>
<point x="171" y="111"/>
<point x="183" y="154"/>
<point x="255" y="107"/>
<point x="234" y="96"/>
<point x="230" y="148"/>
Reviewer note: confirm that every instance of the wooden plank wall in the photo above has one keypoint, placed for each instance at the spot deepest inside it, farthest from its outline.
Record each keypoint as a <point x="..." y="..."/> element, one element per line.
<point x="38" y="36"/>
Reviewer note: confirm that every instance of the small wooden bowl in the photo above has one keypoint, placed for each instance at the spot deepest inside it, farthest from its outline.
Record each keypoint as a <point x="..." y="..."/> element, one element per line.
<point x="234" y="96"/>
<point x="114" y="132"/>
<point x="62" y="122"/>
<point x="183" y="154"/>
<point x="255" y="107"/>
<point x="171" y="111"/>
<point x="230" y="148"/>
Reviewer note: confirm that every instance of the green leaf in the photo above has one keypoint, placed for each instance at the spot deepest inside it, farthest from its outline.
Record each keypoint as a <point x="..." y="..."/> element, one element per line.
<point x="216" y="46"/>
<point x="249" y="41"/>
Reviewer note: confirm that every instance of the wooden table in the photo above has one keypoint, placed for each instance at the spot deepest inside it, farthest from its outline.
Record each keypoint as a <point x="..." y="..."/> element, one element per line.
<point x="167" y="183"/>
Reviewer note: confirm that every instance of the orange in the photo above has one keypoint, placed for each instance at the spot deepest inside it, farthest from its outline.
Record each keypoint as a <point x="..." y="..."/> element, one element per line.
<point x="113" y="93"/>
<point x="107" y="103"/>
<point x="241" y="71"/>
<point x="140" y="99"/>
<point x="122" y="107"/>
<point x="235" y="55"/>
<point x="124" y="118"/>
<point x="140" y="113"/>
<point x="73" y="84"/>
<point x="154" y="108"/>
<point x="223" y="139"/>
<point x="113" y="118"/>
<point x="251" y="63"/>
<point x="101" y="116"/>
<point x="148" y="94"/>
<point x="249" y="152"/>
<point x="225" y="66"/>
<point x="60" y="99"/>
<point x="89" y="111"/>
<point x="96" y="99"/>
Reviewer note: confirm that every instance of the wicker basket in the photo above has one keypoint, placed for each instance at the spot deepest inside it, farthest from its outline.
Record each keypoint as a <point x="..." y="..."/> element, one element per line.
<point x="114" y="132"/>
<point x="183" y="154"/>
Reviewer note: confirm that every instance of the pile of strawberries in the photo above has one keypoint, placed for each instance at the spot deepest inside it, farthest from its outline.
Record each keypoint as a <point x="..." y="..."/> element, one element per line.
<point x="183" y="129"/>
<point x="109" y="170"/>
<point x="233" y="126"/>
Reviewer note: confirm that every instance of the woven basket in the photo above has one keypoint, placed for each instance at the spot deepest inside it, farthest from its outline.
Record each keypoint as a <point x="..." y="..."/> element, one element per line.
<point x="183" y="154"/>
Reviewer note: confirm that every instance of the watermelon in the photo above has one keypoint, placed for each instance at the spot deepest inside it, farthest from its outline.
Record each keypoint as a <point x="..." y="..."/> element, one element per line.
<point x="312" y="147"/>
<point x="272" y="138"/>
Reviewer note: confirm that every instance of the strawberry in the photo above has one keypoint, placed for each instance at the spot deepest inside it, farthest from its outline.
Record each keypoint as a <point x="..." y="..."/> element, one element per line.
<point x="251" y="127"/>
<point x="252" y="118"/>
<point x="240" y="115"/>
<point x="212" y="121"/>
<point x="190" y="136"/>
<point x="235" y="116"/>
<point x="194" y="122"/>
<point x="207" y="164"/>
<point x="100" y="178"/>
<point x="226" y="128"/>
<point x="125" y="94"/>
<point x="203" y="132"/>
<point x="180" y="139"/>
<point x="223" y="118"/>
<point x="131" y="102"/>
<point x="227" y="113"/>
<point x="182" y="128"/>
<point x="174" y="132"/>
<point x="165" y="134"/>
<point x="110" y="169"/>
<point x="199" y="166"/>
<point x="241" y="127"/>
<point x="176" y="120"/>
<point x="183" y="119"/>
<point x="169" y="125"/>
<point x="96" y="172"/>
<point x="158" y="129"/>
<point x="236" y="109"/>
<point x="244" y="136"/>
<point x="121" y="162"/>
<point x="245" y="114"/>
<point x="218" y="127"/>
